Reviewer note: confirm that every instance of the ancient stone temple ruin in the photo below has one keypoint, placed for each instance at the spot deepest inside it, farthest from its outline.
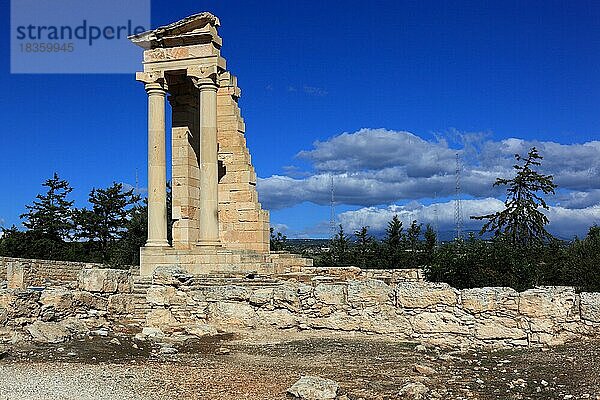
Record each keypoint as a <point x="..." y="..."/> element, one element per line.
<point x="201" y="283"/>
<point x="218" y="223"/>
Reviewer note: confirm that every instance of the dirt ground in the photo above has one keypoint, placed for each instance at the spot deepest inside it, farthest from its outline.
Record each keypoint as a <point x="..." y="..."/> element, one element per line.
<point x="263" y="367"/>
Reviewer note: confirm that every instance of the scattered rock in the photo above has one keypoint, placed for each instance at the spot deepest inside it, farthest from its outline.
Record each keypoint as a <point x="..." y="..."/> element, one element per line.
<point x="115" y="341"/>
<point x="223" y="350"/>
<point x="420" y="348"/>
<point x="415" y="391"/>
<point x="99" y="332"/>
<point x="48" y="332"/>
<point x="149" y="332"/>
<point x="201" y="330"/>
<point x="314" y="388"/>
<point x="423" y="369"/>
<point x="170" y="275"/>
<point x="167" y="349"/>
<point x="74" y="325"/>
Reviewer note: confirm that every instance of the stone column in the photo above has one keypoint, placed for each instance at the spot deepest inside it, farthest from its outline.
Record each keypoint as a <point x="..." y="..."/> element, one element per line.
<point x="209" y="221"/>
<point x="157" y="166"/>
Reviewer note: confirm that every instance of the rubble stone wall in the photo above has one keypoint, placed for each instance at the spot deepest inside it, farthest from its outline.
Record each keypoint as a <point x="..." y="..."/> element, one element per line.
<point x="173" y="301"/>
<point x="23" y="273"/>
<point x="2" y="269"/>
<point x="429" y="312"/>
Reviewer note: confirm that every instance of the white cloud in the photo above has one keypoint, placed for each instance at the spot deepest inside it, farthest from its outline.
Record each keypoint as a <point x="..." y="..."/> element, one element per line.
<point x="373" y="168"/>
<point x="563" y="221"/>
<point x="376" y="149"/>
<point x="579" y="199"/>
<point x="283" y="228"/>
<point x="378" y="166"/>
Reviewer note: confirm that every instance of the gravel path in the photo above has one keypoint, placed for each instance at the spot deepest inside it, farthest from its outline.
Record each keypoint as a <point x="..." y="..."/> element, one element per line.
<point x="66" y="381"/>
<point x="368" y="368"/>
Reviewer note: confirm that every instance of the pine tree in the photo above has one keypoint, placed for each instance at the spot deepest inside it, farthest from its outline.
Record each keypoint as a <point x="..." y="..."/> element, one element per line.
<point x="521" y="222"/>
<point x="393" y="244"/>
<point x="412" y="235"/>
<point x="364" y="246"/>
<point x="278" y="240"/>
<point x="51" y="216"/>
<point x="394" y="232"/>
<point x="430" y="243"/>
<point x="340" y="247"/>
<point x="107" y="221"/>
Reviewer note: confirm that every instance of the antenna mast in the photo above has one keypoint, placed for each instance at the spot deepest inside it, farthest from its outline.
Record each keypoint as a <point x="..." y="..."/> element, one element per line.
<point x="137" y="183"/>
<point x="458" y="219"/>
<point x="332" y="226"/>
<point x="436" y="219"/>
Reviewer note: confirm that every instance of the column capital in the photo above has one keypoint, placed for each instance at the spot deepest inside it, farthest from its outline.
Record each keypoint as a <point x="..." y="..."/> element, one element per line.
<point x="151" y="77"/>
<point x="156" y="88"/>
<point x="204" y="78"/>
<point x="154" y="82"/>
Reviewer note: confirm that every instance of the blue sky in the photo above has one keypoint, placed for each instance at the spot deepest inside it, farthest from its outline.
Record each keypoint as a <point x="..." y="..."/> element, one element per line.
<point x="407" y="82"/>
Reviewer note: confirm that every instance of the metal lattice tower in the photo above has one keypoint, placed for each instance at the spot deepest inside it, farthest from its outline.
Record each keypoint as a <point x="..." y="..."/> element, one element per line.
<point x="458" y="219"/>
<point x="436" y="219"/>
<point x="332" y="226"/>
<point x="137" y="183"/>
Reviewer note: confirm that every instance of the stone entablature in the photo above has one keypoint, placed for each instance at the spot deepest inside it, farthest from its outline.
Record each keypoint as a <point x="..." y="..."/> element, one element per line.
<point x="215" y="202"/>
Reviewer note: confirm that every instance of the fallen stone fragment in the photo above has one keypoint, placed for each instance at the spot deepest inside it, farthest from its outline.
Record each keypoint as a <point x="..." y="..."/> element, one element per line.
<point x="166" y="349"/>
<point x="151" y="332"/>
<point x="314" y="388"/>
<point x="423" y="369"/>
<point x="223" y="350"/>
<point x="415" y="391"/>
<point x="48" y="332"/>
<point x="420" y="348"/>
<point x="201" y="330"/>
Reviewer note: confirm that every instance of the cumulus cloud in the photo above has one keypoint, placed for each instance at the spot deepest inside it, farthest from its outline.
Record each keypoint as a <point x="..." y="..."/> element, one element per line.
<point x="283" y="228"/>
<point x="563" y="221"/>
<point x="379" y="167"/>
<point x="376" y="149"/>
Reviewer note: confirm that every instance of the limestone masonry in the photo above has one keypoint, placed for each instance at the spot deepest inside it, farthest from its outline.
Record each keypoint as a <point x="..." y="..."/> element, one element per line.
<point x="218" y="274"/>
<point x="219" y="224"/>
<point x="395" y="303"/>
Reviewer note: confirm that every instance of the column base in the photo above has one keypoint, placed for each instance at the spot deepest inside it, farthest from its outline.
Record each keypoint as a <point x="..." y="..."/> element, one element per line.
<point x="157" y="243"/>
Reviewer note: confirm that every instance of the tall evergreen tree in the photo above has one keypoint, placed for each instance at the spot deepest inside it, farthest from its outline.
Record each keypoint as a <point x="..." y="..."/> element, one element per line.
<point x="108" y="219"/>
<point x="430" y="243"/>
<point x="412" y="235"/>
<point x="51" y="216"/>
<point x="521" y="222"/>
<point x="364" y="247"/>
<point x="393" y="244"/>
<point x="340" y="248"/>
<point x="393" y="232"/>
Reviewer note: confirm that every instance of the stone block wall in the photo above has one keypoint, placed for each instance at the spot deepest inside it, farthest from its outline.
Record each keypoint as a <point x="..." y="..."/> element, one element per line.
<point x="22" y="273"/>
<point x="243" y="224"/>
<point x="173" y="300"/>
<point x="2" y="269"/>
<point x="94" y="301"/>
<point x="411" y="310"/>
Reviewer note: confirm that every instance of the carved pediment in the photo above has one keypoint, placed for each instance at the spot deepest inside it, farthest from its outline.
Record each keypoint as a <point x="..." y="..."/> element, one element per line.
<point x="196" y="29"/>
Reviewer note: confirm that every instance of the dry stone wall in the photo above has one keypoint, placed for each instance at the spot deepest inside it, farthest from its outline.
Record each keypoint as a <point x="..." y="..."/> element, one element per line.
<point x="413" y="310"/>
<point x="398" y="303"/>
<point x="23" y="273"/>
